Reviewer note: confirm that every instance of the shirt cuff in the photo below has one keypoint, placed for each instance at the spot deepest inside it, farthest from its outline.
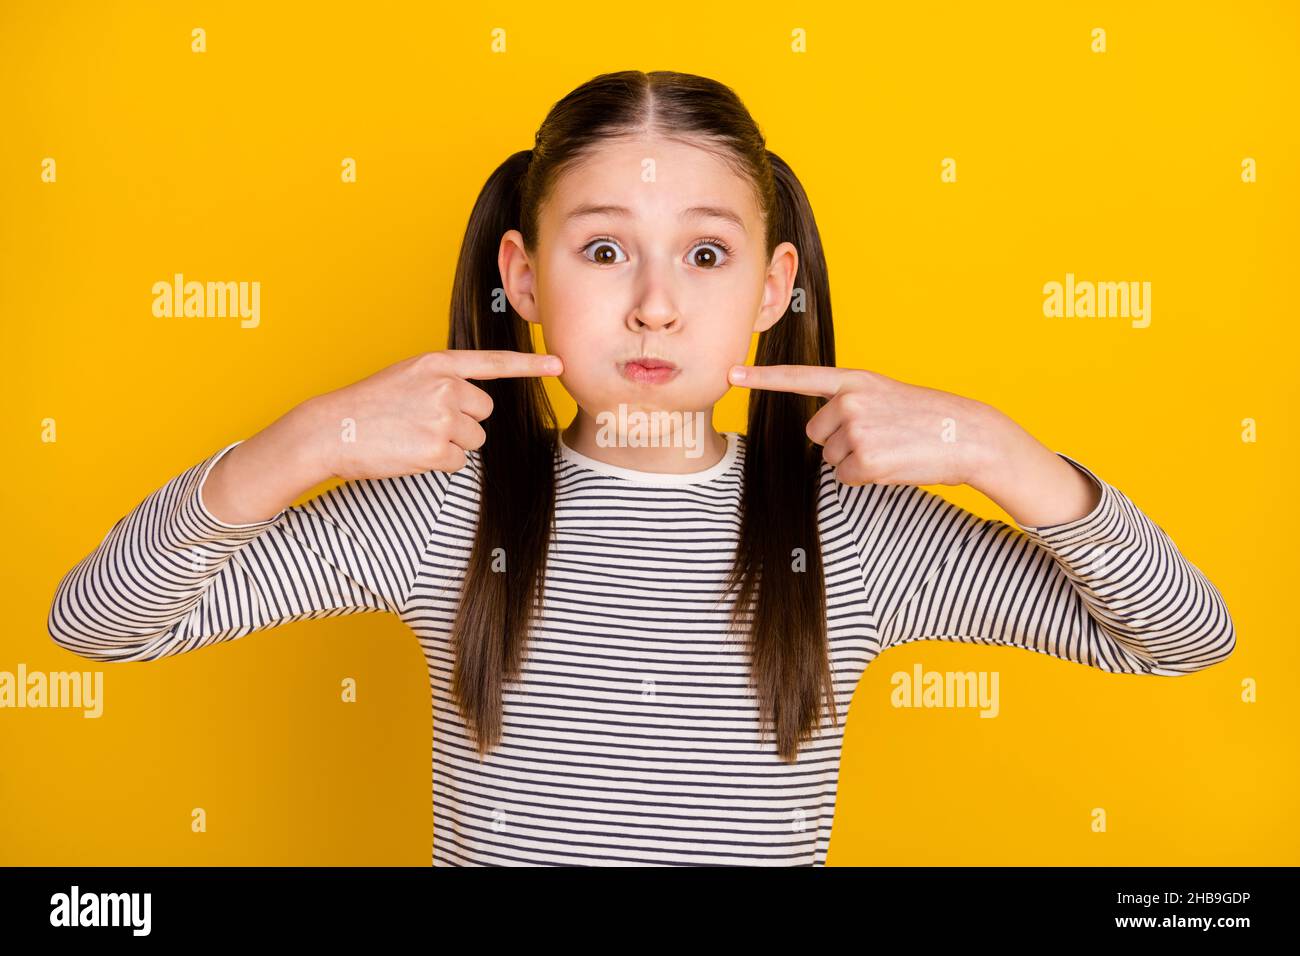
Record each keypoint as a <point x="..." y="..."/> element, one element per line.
<point x="203" y="518"/>
<point x="1080" y="528"/>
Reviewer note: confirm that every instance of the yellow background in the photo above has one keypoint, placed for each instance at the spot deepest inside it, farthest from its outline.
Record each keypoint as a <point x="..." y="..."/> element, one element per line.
<point x="1123" y="165"/>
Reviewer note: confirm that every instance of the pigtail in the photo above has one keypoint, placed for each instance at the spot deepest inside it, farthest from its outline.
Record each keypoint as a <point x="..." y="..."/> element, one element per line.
<point x="517" y="474"/>
<point x="780" y="543"/>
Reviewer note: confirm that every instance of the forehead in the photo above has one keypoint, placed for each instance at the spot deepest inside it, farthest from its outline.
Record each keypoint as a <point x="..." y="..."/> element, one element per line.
<point x="656" y="179"/>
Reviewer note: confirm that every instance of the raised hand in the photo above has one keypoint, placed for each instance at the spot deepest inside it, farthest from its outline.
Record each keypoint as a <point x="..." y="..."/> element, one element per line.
<point x="875" y="429"/>
<point x="417" y="415"/>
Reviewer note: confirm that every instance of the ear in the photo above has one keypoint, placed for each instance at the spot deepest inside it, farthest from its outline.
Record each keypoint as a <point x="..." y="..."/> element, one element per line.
<point x="517" y="275"/>
<point x="778" y="285"/>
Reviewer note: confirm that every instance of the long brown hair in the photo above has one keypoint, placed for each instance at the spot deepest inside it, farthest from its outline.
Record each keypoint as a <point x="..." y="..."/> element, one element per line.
<point x="785" y="617"/>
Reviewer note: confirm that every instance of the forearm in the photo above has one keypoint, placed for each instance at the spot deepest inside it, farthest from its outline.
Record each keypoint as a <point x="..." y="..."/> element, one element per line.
<point x="266" y="473"/>
<point x="1029" y="481"/>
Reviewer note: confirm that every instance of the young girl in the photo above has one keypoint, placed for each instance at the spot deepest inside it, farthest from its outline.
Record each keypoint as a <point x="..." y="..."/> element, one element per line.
<point x="643" y="654"/>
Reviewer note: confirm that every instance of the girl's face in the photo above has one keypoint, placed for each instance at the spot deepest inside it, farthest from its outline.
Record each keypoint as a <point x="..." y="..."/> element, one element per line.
<point x="649" y="248"/>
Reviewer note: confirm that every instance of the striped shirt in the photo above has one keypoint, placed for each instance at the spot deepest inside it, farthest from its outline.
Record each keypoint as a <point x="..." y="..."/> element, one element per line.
<point x="632" y="736"/>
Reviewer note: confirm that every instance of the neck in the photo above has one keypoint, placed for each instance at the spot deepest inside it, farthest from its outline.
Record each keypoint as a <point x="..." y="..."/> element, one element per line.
<point x="647" y="441"/>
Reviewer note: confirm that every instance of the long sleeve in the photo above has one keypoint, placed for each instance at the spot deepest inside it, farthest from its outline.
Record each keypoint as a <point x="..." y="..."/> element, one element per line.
<point x="169" y="577"/>
<point x="1109" y="590"/>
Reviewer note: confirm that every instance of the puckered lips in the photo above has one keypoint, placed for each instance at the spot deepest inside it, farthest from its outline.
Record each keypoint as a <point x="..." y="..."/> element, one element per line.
<point x="647" y="370"/>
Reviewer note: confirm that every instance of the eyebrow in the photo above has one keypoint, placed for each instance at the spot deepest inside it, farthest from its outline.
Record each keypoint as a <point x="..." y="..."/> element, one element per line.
<point x="697" y="212"/>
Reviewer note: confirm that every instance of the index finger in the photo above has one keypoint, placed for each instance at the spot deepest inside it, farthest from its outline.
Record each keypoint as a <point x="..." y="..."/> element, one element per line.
<point x="819" y="380"/>
<point x="501" y="363"/>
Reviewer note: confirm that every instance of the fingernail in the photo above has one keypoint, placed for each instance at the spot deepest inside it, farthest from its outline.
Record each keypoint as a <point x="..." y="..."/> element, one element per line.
<point x="555" y="365"/>
<point x="738" y="373"/>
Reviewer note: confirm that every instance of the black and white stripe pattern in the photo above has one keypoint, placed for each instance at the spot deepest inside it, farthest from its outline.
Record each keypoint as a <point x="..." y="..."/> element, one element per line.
<point x="632" y="737"/>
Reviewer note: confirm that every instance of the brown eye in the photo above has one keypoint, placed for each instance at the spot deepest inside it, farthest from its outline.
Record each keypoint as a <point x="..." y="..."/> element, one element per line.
<point x="706" y="254"/>
<point x="605" y="252"/>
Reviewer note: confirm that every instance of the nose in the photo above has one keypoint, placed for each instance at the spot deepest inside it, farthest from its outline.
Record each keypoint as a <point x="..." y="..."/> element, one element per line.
<point x="657" y="310"/>
<point x="643" y="320"/>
